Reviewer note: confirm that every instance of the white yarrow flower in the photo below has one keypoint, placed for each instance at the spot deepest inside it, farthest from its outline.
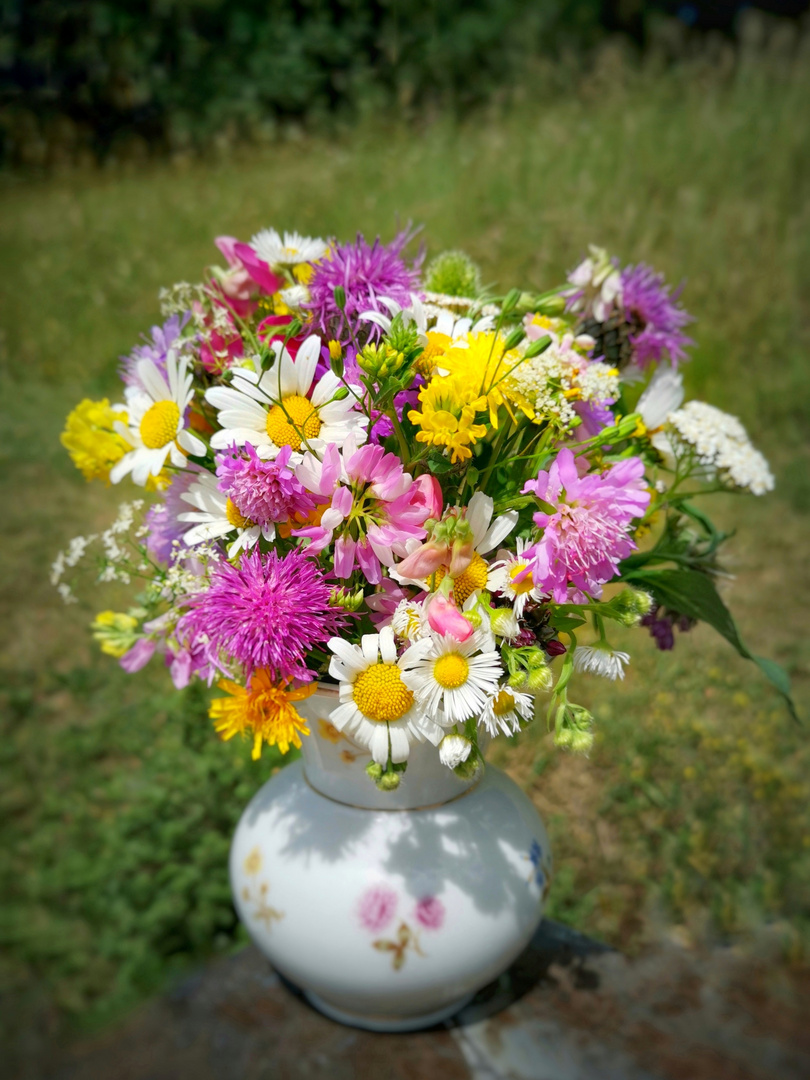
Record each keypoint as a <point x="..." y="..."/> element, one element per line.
<point x="722" y="445"/>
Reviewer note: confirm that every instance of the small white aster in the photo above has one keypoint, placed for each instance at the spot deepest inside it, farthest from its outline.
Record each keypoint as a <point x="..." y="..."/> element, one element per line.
<point x="600" y="659"/>
<point x="454" y="750"/>
<point x="454" y="676"/>
<point x="505" y="710"/>
<point x="502" y="578"/>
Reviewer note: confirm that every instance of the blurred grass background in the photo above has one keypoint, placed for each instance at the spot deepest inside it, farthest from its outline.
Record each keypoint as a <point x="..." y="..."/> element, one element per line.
<point x="692" y="816"/>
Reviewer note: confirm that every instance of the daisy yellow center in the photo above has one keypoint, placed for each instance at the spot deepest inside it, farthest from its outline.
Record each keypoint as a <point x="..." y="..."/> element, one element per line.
<point x="523" y="586"/>
<point x="159" y="424"/>
<point x="474" y="577"/>
<point x="451" y="670"/>
<point x="236" y="517"/>
<point x="503" y="704"/>
<point x="286" y="422"/>
<point x="380" y="694"/>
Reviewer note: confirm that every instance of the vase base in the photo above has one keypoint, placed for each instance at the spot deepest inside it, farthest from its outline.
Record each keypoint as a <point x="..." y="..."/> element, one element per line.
<point x="386" y="1023"/>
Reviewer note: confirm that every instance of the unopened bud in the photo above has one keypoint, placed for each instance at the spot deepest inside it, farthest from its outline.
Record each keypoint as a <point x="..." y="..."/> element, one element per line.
<point x="389" y="781"/>
<point x="373" y="770"/>
<point x="581" y="742"/>
<point x="340" y="297"/>
<point x="538" y="347"/>
<point x="539" y="678"/>
<point x="468" y="769"/>
<point x="510" y="301"/>
<point x="514" y="339"/>
<point x="504" y="623"/>
<point x="341" y="393"/>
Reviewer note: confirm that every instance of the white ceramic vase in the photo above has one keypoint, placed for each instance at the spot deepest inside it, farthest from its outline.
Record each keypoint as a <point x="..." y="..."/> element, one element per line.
<point x="388" y="909"/>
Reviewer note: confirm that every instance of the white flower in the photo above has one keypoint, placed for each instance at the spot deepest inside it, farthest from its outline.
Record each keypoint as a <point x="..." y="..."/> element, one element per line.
<point x="156" y="421"/>
<point x="722" y="445"/>
<point x="377" y="708"/>
<point x="453" y="750"/>
<point x="217" y="516"/>
<point x="281" y="407"/>
<point x="295" y="296"/>
<point x="444" y="322"/>
<point x="503" y="574"/>
<point x="505" y="709"/>
<point x="290" y="250"/>
<point x="410" y="621"/>
<point x="454" y="676"/>
<point x="663" y="396"/>
<point x="600" y="659"/>
<point x="599" y="281"/>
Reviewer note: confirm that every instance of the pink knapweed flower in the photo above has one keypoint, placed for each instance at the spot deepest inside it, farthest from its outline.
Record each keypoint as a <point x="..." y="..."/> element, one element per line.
<point x="374" y="507"/>
<point x="588" y="532"/>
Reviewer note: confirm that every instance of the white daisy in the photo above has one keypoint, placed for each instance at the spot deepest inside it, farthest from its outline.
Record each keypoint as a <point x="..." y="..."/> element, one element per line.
<point x="663" y="395"/>
<point x="295" y="296"/>
<point x="377" y="708"/>
<point x="281" y="407"/>
<point x="156" y="425"/>
<point x="455" y="676"/>
<point x="410" y="621"/>
<point x="216" y="516"/>
<point x="505" y="710"/>
<point x="289" y="250"/>
<point x="503" y="574"/>
<point x="444" y="322"/>
<point x="600" y="659"/>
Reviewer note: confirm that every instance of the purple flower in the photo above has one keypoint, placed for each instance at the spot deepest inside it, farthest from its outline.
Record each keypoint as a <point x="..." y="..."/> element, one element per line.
<point x="266" y="613"/>
<point x="662" y="623"/>
<point x="429" y="912"/>
<point x="587" y="533"/>
<point x="651" y="305"/>
<point x="154" y="349"/>
<point x="262" y="491"/>
<point x="162" y="518"/>
<point x="366" y="272"/>
<point x="376" y="908"/>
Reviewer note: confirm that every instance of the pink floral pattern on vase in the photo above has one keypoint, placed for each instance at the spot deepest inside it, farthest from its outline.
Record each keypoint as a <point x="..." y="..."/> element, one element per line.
<point x="376" y="910"/>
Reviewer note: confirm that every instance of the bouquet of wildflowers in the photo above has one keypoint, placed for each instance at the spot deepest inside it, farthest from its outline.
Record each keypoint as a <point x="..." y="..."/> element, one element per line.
<point x="392" y="479"/>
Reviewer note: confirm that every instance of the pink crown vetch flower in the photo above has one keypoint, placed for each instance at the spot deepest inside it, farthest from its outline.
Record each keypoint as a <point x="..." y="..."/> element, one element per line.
<point x="588" y="532"/>
<point x="374" y="507"/>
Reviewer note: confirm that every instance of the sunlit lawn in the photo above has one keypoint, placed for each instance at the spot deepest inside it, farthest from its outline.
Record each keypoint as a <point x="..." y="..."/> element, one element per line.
<point x="693" y="811"/>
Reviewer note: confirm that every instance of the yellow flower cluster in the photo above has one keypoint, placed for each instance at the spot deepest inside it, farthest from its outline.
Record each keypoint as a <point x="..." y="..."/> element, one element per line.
<point x="89" y="438"/>
<point x="264" y="710"/>
<point x="115" y="632"/>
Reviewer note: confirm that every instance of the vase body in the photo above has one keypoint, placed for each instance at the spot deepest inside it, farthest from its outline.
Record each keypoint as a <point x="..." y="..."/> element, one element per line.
<point x="388" y="909"/>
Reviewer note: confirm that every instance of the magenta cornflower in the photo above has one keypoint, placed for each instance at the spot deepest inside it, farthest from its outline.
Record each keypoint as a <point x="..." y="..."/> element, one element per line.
<point x="651" y="305"/>
<point x="366" y="272"/>
<point x="268" y="612"/>
<point x="262" y="491"/>
<point x="374" y="507"/>
<point x="588" y="532"/>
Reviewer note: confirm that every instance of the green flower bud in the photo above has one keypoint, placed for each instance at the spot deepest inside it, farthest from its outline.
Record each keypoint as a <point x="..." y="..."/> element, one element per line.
<point x="389" y="781"/>
<point x="581" y="741"/>
<point x="374" y="770"/>
<point x="340" y="297"/>
<point x="514" y="339"/>
<point x="538" y="347"/>
<point x="454" y="274"/>
<point x="539" y="678"/>
<point x="469" y="769"/>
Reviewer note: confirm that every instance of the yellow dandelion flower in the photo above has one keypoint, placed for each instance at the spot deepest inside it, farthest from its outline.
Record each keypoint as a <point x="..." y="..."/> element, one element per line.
<point x="447" y="417"/>
<point x="89" y="438"/>
<point x="264" y="710"/>
<point x="480" y="360"/>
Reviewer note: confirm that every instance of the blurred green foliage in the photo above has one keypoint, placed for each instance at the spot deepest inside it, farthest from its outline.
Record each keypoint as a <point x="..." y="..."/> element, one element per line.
<point x="178" y="72"/>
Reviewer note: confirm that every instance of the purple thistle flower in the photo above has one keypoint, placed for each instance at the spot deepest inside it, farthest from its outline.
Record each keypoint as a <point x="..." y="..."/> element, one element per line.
<point x="154" y="349"/>
<point x="366" y="272"/>
<point x="651" y="305"/>
<point x="266" y="613"/>
<point x="262" y="491"/>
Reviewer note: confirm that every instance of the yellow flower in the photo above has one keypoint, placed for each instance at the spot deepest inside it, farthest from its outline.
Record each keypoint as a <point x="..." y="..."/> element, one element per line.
<point x="263" y="710"/>
<point x="480" y="361"/>
<point x="447" y="418"/>
<point x="114" y="631"/>
<point x="437" y="346"/>
<point x="89" y="438"/>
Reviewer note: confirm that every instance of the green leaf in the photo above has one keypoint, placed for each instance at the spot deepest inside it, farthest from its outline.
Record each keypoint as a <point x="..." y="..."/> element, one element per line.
<point x="694" y="594"/>
<point x="437" y="463"/>
<point x="566" y="622"/>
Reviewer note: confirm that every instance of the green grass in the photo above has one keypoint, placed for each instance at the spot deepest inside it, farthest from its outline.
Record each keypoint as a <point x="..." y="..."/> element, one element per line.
<point x="692" y="812"/>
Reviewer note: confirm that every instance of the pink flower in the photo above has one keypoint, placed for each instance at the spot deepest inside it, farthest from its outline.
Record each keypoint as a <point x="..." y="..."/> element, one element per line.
<point x="424" y="561"/>
<point x="385" y="600"/>
<point x="430" y="493"/>
<point x="374" y="507"/>
<point x="429" y="912"/>
<point x="138" y="656"/>
<point x="237" y="284"/>
<point x="588" y="533"/>
<point x="262" y="491"/>
<point x="445" y="618"/>
<point x="376" y="908"/>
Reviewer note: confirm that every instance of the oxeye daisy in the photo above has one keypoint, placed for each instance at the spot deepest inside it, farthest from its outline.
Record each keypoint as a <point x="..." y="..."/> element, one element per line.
<point x="454" y="676"/>
<point x="288" y="250"/>
<point x="377" y="708"/>
<point x="285" y="406"/>
<point x="505" y="710"/>
<point x="217" y="515"/>
<point x="511" y="577"/>
<point x="156" y="424"/>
